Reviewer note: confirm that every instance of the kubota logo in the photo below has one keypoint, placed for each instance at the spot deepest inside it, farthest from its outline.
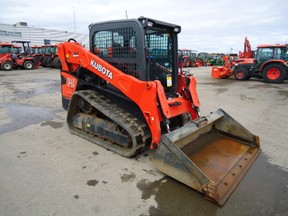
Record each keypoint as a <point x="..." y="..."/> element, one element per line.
<point x="101" y="69"/>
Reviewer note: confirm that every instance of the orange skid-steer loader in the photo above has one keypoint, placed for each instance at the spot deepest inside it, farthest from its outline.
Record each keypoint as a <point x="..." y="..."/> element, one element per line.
<point x="126" y="94"/>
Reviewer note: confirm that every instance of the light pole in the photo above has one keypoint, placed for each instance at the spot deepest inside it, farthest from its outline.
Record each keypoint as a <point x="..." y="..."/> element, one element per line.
<point x="74" y="20"/>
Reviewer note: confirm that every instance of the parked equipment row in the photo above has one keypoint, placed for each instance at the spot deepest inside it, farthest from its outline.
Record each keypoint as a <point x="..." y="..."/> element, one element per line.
<point x="269" y="61"/>
<point x="192" y="58"/>
<point x="19" y="54"/>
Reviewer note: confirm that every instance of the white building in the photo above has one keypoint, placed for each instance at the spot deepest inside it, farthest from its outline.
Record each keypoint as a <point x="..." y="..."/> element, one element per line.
<point x="38" y="36"/>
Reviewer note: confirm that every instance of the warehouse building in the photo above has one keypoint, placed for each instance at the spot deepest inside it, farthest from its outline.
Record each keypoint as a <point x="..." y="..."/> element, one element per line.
<point x="38" y="36"/>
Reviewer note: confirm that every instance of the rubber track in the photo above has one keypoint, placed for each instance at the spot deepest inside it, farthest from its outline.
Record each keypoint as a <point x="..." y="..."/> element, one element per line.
<point x="139" y="131"/>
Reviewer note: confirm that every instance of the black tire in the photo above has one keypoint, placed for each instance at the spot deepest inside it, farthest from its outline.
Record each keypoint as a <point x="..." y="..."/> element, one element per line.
<point x="28" y="65"/>
<point x="37" y="60"/>
<point x="7" y="66"/>
<point x="52" y="65"/>
<point x="56" y="63"/>
<point x="44" y="62"/>
<point x="192" y="63"/>
<point x="41" y="61"/>
<point x="186" y="62"/>
<point x="274" y="73"/>
<point x="241" y="74"/>
<point x="49" y="61"/>
<point x="59" y="64"/>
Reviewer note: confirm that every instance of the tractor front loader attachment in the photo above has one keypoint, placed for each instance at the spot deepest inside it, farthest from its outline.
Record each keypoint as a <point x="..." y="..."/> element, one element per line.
<point x="221" y="72"/>
<point x="211" y="155"/>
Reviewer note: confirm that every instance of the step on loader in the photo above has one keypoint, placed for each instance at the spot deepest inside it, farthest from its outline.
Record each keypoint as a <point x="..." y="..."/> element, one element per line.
<point x="127" y="94"/>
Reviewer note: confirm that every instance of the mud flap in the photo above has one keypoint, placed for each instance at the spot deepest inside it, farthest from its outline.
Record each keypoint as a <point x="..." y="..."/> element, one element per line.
<point x="211" y="155"/>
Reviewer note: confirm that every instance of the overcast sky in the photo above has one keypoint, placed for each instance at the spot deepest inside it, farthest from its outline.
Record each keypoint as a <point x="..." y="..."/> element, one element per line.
<point x="207" y="25"/>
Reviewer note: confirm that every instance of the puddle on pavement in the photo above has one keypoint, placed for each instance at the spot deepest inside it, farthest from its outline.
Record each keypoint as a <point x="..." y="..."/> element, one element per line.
<point x="92" y="182"/>
<point x="8" y="74"/>
<point x="218" y="82"/>
<point x="128" y="177"/>
<point x="263" y="191"/>
<point x="25" y="115"/>
<point x="95" y="153"/>
<point x="22" y="154"/>
<point x="150" y="188"/>
<point x="52" y="88"/>
<point x="221" y="90"/>
<point x="283" y="93"/>
<point x="247" y="98"/>
<point x="264" y="86"/>
<point x="52" y="124"/>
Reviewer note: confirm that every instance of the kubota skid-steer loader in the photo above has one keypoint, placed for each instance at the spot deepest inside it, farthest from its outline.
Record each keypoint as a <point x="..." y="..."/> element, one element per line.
<point x="127" y="94"/>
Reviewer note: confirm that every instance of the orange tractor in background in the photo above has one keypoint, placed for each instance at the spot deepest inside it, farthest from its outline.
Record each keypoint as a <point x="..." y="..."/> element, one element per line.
<point x="187" y="58"/>
<point x="220" y="72"/>
<point x="203" y="59"/>
<point x="6" y="60"/>
<point x="37" y="53"/>
<point x="25" y="59"/>
<point x="270" y="63"/>
<point x="126" y="96"/>
<point x="12" y="56"/>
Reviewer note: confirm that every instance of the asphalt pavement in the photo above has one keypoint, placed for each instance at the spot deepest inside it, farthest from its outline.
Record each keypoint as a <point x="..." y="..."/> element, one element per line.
<point x="45" y="170"/>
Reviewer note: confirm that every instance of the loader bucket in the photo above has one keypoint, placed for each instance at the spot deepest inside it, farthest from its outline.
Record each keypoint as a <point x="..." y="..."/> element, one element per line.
<point x="220" y="72"/>
<point x="211" y="155"/>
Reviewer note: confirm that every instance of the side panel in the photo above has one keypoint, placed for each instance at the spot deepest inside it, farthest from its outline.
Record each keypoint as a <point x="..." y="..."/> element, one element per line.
<point x="68" y="87"/>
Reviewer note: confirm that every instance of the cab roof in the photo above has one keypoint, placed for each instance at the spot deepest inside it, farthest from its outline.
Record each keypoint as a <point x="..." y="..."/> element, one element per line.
<point x="272" y="46"/>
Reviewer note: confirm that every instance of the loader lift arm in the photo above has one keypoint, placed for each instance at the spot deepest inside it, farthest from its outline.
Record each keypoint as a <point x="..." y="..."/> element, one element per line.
<point x="247" y="53"/>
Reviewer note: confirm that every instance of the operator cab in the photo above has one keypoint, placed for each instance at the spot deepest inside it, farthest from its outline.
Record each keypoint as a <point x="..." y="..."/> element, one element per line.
<point x="144" y="48"/>
<point x="26" y="49"/>
<point x="5" y="48"/>
<point x="270" y="52"/>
